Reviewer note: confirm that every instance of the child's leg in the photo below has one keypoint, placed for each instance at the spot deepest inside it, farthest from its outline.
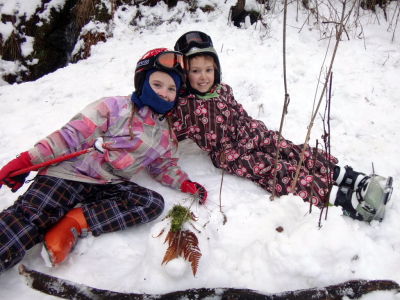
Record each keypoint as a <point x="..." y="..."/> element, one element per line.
<point x="48" y="199"/>
<point x="290" y="153"/>
<point x="258" y="166"/>
<point x="120" y="206"/>
<point x="22" y="225"/>
<point x="261" y="173"/>
<point x="108" y="208"/>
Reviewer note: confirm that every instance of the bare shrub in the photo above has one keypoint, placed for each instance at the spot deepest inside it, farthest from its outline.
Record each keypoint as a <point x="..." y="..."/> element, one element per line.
<point x="10" y="50"/>
<point x="89" y="40"/>
<point x="83" y="11"/>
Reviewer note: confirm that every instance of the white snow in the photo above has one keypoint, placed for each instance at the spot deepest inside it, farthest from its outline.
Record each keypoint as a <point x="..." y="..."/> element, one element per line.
<point x="27" y="46"/>
<point x="11" y="67"/>
<point x="54" y="4"/>
<point x="46" y="258"/>
<point x="252" y="5"/>
<point x="246" y="252"/>
<point x="6" y="30"/>
<point x="20" y="7"/>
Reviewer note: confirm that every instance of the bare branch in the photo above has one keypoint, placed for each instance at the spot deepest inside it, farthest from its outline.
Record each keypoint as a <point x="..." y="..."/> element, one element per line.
<point x="397" y="19"/>
<point x="313" y="175"/>
<point x="285" y="104"/>
<point x="322" y="94"/>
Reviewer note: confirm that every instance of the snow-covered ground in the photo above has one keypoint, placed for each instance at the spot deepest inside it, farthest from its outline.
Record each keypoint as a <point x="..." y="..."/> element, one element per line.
<point x="246" y="252"/>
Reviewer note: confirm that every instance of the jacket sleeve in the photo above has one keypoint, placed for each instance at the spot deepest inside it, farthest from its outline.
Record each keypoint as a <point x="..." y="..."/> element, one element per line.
<point x="78" y="134"/>
<point x="237" y="109"/>
<point x="180" y="122"/>
<point x="165" y="170"/>
<point x="241" y="114"/>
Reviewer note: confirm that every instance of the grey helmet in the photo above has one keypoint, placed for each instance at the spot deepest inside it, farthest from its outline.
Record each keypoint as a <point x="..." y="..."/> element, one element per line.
<point x="194" y="43"/>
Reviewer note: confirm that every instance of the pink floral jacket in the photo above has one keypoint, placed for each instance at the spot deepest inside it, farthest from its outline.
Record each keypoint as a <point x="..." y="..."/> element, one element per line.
<point x="216" y="120"/>
<point x="150" y="148"/>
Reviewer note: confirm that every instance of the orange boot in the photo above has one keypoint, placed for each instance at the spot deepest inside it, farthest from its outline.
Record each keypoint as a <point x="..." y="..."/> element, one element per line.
<point x="62" y="236"/>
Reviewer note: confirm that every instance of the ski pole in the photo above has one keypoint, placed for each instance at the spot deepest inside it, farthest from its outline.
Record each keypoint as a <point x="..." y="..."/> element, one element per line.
<point x="61" y="158"/>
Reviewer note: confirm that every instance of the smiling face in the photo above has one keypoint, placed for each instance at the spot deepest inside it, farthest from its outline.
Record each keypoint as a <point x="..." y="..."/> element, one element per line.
<point x="201" y="75"/>
<point x="163" y="85"/>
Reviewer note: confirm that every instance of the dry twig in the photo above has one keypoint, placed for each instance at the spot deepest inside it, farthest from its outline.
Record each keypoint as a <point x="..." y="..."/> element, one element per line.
<point x="313" y="176"/>
<point x="223" y="160"/>
<point x="338" y="35"/>
<point x="397" y="19"/>
<point x="327" y="143"/>
<point x="285" y="105"/>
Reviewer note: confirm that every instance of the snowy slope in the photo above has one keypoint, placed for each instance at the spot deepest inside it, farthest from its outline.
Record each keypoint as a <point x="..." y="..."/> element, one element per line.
<point x="246" y="252"/>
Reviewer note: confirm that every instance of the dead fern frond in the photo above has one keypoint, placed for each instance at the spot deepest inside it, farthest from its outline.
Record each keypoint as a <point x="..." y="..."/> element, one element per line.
<point x="172" y="239"/>
<point x="189" y="248"/>
<point x="182" y="242"/>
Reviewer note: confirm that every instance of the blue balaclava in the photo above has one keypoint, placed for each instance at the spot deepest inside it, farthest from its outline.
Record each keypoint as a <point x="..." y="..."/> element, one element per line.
<point x="150" y="98"/>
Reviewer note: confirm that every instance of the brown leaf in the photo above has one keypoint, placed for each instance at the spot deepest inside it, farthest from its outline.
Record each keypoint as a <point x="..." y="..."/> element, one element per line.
<point x="172" y="238"/>
<point x="188" y="248"/>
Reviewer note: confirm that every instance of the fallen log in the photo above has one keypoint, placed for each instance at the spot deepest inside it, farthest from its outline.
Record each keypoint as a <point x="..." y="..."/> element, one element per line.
<point x="66" y="289"/>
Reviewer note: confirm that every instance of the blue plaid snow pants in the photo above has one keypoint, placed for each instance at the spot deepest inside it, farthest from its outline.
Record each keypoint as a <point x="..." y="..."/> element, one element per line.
<point x="107" y="208"/>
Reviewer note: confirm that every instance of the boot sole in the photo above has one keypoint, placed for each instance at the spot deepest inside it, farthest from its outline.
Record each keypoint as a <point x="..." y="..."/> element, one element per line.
<point x="49" y="254"/>
<point x="387" y="194"/>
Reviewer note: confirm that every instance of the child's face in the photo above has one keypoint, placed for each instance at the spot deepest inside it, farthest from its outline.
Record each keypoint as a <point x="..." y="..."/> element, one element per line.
<point x="163" y="85"/>
<point x="201" y="74"/>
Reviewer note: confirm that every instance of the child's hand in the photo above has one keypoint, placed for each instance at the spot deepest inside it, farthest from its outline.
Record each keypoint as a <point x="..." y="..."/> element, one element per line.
<point x="21" y="162"/>
<point x="195" y="189"/>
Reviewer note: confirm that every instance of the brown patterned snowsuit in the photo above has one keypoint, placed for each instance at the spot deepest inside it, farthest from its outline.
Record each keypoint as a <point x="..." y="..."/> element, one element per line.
<point x="218" y="119"/>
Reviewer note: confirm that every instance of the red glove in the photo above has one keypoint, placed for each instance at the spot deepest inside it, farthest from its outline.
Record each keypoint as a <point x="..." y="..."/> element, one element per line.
<point x="21" y="162"/>
<point x="194" y="188"/>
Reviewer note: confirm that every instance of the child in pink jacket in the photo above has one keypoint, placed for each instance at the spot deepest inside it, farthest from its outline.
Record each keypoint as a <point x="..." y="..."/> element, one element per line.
<point x="99" y="181"/>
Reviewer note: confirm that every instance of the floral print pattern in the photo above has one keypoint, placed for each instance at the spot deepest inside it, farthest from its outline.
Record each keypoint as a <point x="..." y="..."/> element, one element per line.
<point x="249" y="146"/>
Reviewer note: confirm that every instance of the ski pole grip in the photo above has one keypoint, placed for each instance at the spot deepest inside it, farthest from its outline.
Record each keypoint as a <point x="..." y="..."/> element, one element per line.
<point x="56" y="160"/>
<point x="49" y="162"/>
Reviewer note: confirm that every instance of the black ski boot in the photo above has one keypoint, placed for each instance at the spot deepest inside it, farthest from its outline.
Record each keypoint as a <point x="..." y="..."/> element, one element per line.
<point x="362" y="197"/>
<point x="347" y="177"/>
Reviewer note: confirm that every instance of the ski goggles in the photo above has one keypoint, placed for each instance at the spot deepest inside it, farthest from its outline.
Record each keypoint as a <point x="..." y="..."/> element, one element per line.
<point x="167" y="60"/>
<point x="193" y="39"/>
